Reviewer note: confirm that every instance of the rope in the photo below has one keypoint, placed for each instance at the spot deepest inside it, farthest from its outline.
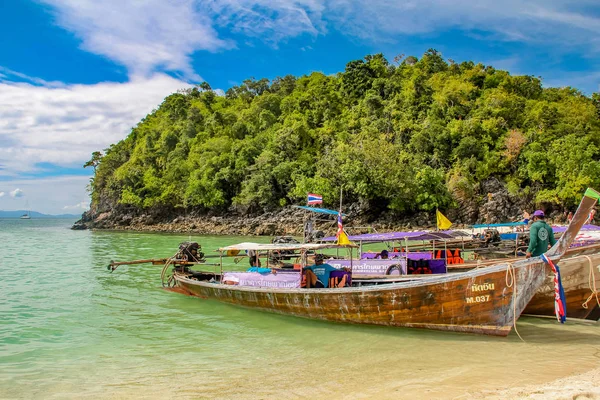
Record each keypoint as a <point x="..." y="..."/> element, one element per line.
<point x="591" y="285"/>
<point x="510" y="273"/>
<point x="164" y="270"/>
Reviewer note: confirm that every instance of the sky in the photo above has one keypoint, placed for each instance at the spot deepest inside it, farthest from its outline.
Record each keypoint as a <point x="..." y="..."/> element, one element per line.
<point x="77" y="75"/>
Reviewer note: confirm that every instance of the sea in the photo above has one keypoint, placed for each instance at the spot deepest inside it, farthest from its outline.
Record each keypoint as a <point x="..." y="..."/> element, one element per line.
<point x="71" y="329"/>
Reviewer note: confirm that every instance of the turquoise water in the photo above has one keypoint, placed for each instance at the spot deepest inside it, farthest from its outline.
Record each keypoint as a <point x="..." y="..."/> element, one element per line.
<point x="71" y="329"/>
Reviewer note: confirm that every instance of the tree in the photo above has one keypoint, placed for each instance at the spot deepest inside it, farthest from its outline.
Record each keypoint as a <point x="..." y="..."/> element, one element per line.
<point x="94" y="161"/>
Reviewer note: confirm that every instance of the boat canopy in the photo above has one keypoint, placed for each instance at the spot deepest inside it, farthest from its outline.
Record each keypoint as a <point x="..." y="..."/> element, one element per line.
<point x="396" y="236"/>
<point x="320" y="210"/>
<point x="559" y="229"/>
<point x="520" y="223"/>
<point x="281" y="246"/>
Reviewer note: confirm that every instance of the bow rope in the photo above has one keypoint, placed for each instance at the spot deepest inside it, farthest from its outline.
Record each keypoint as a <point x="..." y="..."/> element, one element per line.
<point x="560" y="302"/>
<point x="592" y="285"/>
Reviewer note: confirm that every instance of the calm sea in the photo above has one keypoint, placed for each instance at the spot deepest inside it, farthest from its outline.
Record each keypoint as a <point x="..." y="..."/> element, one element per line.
<point x="71" y="329"/>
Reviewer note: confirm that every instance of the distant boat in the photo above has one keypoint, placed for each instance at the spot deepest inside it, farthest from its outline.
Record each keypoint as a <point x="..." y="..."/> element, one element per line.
<point x="27" y="214"/>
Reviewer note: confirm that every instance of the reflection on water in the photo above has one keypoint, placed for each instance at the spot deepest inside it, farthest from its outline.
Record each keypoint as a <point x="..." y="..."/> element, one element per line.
<point x="72" y="329"/>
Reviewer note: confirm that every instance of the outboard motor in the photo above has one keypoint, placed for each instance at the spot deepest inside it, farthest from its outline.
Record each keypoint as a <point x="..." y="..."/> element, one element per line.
<point x="190" y="251"/>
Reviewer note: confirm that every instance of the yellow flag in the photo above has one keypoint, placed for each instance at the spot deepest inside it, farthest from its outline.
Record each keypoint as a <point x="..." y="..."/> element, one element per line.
<point x="443" y="223"/>
<point x="343" y="239"/>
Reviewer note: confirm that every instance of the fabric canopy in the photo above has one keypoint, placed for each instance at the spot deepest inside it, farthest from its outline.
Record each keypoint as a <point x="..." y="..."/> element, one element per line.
<point x="319" y="210"/>
<point x="500" y="224"/>
<point x="560" y="229"/>
<point x="280" y="246"/>
<point x="396" y="236"/>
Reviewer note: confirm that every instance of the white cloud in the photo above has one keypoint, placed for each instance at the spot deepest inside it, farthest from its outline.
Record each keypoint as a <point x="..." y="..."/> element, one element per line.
<point x="16" y="193"/>
<point x="2" y="194"/>
<point x="151" y="35"/>
<point x="83" y="206"/>
<point x="48" y="195"/>
<point x="142" y="35"/>
<point x="64" y="125"/>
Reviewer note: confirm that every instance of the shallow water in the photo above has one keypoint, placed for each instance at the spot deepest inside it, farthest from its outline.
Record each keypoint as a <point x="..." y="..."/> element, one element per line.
<point x="71" y="329"/>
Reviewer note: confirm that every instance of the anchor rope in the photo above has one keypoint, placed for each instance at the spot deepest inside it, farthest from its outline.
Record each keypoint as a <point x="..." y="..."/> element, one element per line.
<point x="591" y="285"/>
<point x="510" y="273"/>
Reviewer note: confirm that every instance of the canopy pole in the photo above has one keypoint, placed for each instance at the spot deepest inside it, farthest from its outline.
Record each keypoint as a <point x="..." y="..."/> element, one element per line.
<point x="221" y="264"/>
<point x="406" y="254"/>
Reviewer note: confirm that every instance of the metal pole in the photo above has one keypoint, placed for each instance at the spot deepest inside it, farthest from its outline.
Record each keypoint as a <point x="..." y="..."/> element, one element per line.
<point x="221" y="263"/>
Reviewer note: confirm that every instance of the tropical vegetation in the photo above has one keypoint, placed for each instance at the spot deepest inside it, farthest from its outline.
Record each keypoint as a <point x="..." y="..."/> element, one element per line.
<point x="403" y="136"/>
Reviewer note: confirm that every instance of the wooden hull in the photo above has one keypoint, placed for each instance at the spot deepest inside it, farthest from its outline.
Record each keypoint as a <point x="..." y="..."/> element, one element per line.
<point x="477" y="301"/>
<point x="575" y="274"/>
<point x="577" y="284"/>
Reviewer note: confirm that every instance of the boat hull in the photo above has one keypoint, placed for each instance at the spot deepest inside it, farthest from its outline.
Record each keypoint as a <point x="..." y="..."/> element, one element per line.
<point x="579" y="275"/>
<point x="478" y="301"/>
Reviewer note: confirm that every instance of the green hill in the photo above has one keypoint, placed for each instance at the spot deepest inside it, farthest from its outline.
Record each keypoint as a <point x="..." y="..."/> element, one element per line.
<point x="401" y="137"/>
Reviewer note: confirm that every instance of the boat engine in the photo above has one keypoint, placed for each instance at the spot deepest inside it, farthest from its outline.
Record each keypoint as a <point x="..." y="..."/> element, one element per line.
<point x="190" y="251"/>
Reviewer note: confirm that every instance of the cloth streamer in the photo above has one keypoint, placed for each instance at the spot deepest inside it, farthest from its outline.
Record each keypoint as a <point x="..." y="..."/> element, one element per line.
<point x="560" y="301"/>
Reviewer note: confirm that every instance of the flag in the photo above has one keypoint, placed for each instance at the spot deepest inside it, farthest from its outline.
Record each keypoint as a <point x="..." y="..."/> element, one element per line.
<point x="560" y="302"/>
<point x="314" y="199"/>
<point x="342" y="238"/>
<point x="443" y="223"/>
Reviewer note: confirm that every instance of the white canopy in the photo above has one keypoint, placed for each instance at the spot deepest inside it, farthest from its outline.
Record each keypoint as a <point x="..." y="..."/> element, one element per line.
<point x="281" y="246"/>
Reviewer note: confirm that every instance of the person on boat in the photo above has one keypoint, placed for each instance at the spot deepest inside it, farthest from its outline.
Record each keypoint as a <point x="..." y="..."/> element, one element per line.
<point x="317" y="275"/>
<point x="231" y="280"/>
<point x="590" y="219"/>
<point x="384" y="255"/>
<point x="255" y="266"/>
<point x="541" y="236"/>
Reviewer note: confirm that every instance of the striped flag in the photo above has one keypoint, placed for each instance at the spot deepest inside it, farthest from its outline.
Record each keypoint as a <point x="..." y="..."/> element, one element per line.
<point x="314" y="199"/>
<point x="560" y="303"/>
<point x="340" y="226"/>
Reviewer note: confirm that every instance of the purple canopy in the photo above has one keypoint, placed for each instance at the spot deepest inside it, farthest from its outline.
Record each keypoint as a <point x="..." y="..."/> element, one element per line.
<point x="396" y="236"/>
<point x="560" y="229"/>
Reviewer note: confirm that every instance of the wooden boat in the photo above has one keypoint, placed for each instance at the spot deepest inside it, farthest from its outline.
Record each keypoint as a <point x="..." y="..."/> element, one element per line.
<point x="580" y="272"/>
<point x="484" y="300"/>
<point x="580" y="279"/>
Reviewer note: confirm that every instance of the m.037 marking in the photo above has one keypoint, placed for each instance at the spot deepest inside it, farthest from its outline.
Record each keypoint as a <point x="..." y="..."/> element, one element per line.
<point x="478" y="299"/>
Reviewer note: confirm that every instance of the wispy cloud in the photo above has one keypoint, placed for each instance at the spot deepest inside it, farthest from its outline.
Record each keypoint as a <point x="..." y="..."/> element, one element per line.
<point x="142" y="35"/>
<point x="162" y="35"/>
<point x="10" y="75"/>
<point x="83" y="206"/>
<point x="64" y="125"/>
<point x="1" y="194"/>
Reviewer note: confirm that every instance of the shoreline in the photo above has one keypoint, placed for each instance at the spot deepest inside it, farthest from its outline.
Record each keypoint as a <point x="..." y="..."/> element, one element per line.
<point x="283" y="222"/>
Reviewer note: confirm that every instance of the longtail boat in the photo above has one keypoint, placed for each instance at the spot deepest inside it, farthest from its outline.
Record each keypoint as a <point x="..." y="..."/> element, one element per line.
<point x="484" y="300"/>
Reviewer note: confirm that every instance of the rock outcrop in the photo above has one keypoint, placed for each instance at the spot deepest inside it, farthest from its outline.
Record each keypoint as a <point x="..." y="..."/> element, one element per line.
<point x="492" y="204"/>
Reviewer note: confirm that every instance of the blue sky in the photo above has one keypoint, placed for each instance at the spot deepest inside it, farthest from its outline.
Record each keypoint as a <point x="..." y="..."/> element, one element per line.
<point x="76" y="75"/>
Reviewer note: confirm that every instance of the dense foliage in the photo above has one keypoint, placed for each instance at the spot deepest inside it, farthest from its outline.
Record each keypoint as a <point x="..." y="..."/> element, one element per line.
<point x="414" y="135"/>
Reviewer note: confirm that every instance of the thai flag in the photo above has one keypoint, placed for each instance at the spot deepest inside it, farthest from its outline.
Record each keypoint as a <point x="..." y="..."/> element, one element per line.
<point x="560" y="303"/>
<point x="340" y="226"/>
<point x="314" y="199"/>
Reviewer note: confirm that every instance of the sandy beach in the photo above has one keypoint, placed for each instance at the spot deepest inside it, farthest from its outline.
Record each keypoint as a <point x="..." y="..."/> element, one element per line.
<point x="580" y="386"/>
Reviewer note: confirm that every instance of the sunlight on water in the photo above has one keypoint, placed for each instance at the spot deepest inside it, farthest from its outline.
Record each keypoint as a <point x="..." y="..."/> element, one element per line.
<point x="71" y="329"/>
